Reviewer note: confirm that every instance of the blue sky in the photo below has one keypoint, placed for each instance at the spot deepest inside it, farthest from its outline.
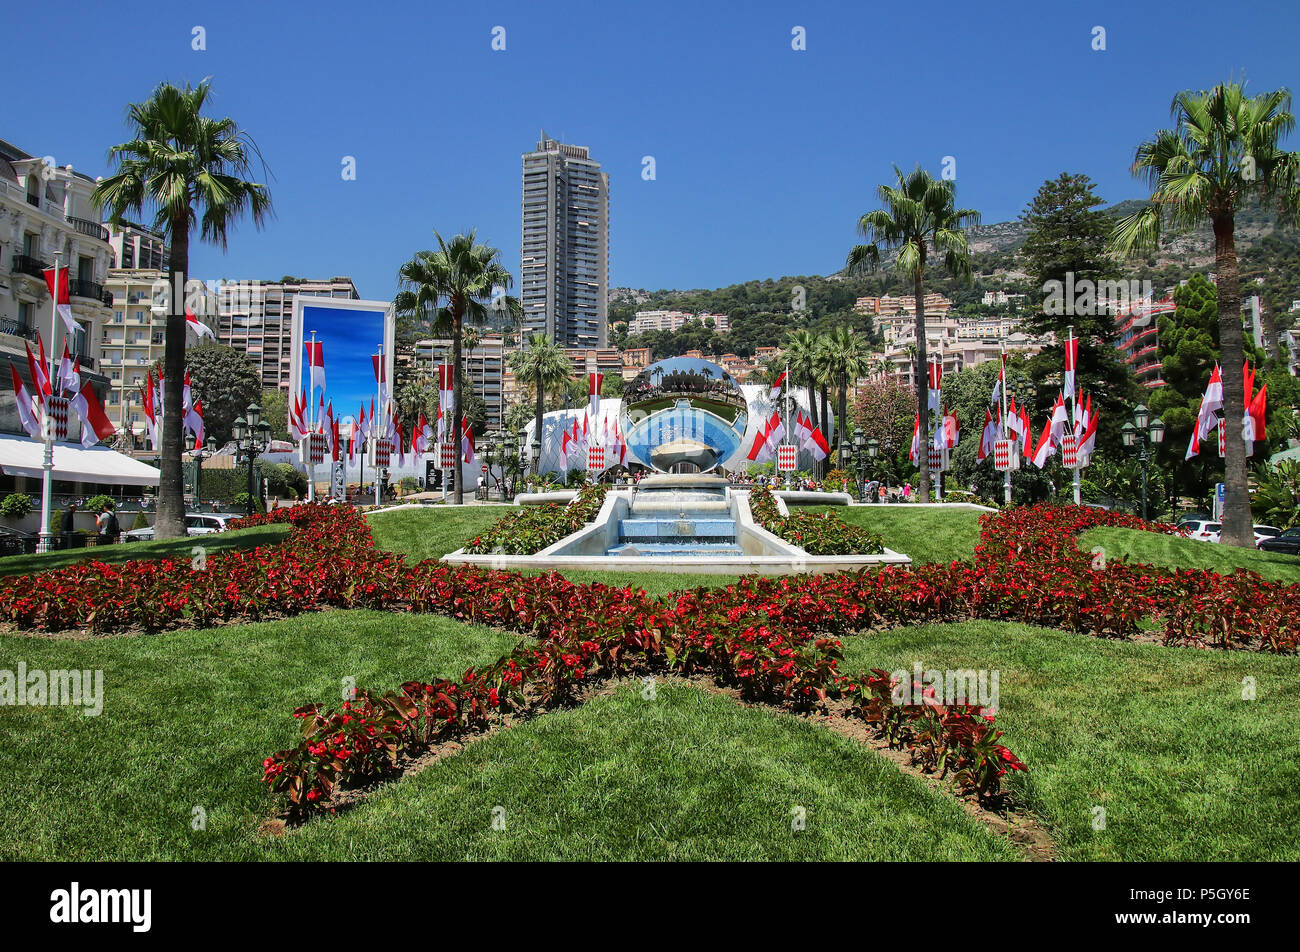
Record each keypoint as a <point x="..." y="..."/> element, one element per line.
<point x="764" y="156"/>
<point x="350" y="337"/>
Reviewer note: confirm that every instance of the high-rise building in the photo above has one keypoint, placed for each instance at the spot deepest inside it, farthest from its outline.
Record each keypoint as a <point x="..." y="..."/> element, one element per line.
<point x="138" y="248"/>
<point x="255" y="318"/>
<point x="484" y="366"/>
<point x="564" y="273"/>
<point x="133" y="341"/>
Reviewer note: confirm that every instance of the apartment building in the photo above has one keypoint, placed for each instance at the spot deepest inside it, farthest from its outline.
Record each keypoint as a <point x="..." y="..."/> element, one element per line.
<point x="46" y="213"/>
<point x="138" y="248"/>
<point x="564" y="273"/>
<point x="934" y="303"/>
<point x="132" y="340"/>
<point x="256" y="319"/>
<point x="485" y="366"/>
<point x="1138" y="338"/>
<point x="661" y="320"/>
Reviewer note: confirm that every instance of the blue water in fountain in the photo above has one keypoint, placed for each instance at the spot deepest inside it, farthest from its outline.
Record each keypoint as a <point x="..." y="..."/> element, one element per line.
<point x="693" y="522"/>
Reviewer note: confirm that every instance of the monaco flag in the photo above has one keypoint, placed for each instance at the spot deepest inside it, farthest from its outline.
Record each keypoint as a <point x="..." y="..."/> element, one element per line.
<point x="1071" y="359"/>
<point x="197" y="327"/>
<point x="63" y="304"/>
<point x="776" y="388"/>
<point x="988" y="437"/>
<point x="915" y="453"/>
<point x="95" y="424"/>
<point x="26" y="410"/>
<point x="316" y="363"/>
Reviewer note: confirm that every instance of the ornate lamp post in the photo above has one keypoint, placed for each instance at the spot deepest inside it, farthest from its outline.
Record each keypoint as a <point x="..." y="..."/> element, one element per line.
<point x="198" y="455"/>
<point x="846" y="462"/>
<point x="1141" y="434"/>
<point x="252" y="436"/>
<point x="873" y="450"/>
<point x="863" y="460"/>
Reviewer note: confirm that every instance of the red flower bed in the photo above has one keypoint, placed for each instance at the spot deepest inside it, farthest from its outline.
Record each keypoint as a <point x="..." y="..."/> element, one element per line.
<point x="775" y="638"/>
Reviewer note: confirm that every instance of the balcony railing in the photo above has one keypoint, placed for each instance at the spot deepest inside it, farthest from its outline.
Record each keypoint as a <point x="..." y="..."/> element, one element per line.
<point x="25" y="264"/>
<point x="92" y="228"/>
<point x="86" y="289"/>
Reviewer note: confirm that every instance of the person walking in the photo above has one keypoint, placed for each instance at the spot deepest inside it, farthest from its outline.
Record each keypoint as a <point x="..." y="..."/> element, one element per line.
<point x="108" y="526"/>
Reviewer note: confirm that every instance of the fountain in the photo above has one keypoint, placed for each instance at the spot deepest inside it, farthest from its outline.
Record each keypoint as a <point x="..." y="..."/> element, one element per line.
<point x="683" y="418"/>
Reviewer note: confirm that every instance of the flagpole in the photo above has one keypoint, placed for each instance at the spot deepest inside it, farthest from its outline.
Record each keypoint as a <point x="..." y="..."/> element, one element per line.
<point x="311" y="424"/>
<point x="45" y="542"/>
<point x="1074" y="413"/>
<point x="1006" y="486"/>
<point x="379" y="402"/>
<point x="788" y="394"/>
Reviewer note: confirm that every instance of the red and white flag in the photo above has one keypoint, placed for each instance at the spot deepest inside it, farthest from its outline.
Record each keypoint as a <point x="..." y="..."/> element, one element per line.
<point x="26" y="408"/>
<point x="593" y="394"/>
<point x="69" y="373"/>
<point x="95" y="424"/>
<point x="467" y="440"/>
<point x="63" y="303"/>
<point x="381" y="376"/>
<point x="936" y="385"/>
<point x="150" y="409"/>
<point x="1045" y="447"/>
<point x="817" y="444"/>
<point x="1001" y="381"/>
<point x="40" y="376"/>
<point x="776" y="387"/>
<point x="1071" y="359"/>
<point x="988" y="437"/>
<point x="1253" y="430"/>
<point x="194" y="324"/>
<point x="1086" y="432"/>
<point x="759" y="446"/>
<point x="914" y="454"/>
<point x="316" y="363"/>
<point x="775" y="431"/>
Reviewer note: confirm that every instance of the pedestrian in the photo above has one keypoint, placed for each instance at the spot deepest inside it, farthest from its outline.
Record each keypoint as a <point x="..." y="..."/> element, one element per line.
<point x="106" y="522"/>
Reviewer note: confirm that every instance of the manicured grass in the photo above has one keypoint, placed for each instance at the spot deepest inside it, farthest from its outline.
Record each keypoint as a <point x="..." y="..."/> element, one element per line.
<point x="1159" y="737"/>
<point x="688" y="775"/>
<point x="187" y="719"/>
<point x="214" y="543"/>
<point x="927" y="535"/>
<point x="1172" y="552"/>
<point x="432" y="532"/>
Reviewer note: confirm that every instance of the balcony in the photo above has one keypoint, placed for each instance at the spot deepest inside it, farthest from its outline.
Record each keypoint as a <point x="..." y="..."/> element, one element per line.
<point x="92" y="228"/>
<point x="87" y="289"/>
<point x="33" y="267"/>
<point x="17" y="329"/>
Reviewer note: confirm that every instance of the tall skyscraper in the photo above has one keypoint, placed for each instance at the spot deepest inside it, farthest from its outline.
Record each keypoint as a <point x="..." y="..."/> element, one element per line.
<point x="564" y="274"/>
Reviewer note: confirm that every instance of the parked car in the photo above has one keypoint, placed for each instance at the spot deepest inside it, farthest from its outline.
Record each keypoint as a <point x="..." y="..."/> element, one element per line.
<point x="196" y="524"/>
<point x="1265" y="532"/>
<point x="16" y="542"/>
<point x="1203" y="530"/>
<point x="1193" y="517"/>
<point x="1287" y="541"/>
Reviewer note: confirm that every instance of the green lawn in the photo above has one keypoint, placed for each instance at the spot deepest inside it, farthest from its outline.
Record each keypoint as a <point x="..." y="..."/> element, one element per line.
<point x="188" y="717"/>
<point x="927" y="535"/>
<point x="214" y="543"/>
<point x="1171" y="552"/>
<point x="1159" y="737"/>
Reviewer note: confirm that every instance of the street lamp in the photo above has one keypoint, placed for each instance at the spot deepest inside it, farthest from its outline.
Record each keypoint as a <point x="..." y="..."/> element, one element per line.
<point x="252" y="436"/>
<point x="862" y="460"/>
<point x="846" y="461"/>
<point x="873" y="450"/>
<point x="1140" y="435"/>
<point x="198" y="455"/>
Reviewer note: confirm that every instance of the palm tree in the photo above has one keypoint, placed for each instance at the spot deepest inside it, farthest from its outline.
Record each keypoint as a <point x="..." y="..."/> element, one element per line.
<point x="1224" y="147"/>
<point x="450" y="284"/>
<point x="545" y="367"/>
<point x="188" y="169"/>
<point x="920" y="217"/>
<point x="846" y="358"/>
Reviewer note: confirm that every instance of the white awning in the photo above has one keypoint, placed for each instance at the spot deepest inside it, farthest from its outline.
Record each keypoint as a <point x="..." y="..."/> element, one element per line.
<point x="20" y="456"/>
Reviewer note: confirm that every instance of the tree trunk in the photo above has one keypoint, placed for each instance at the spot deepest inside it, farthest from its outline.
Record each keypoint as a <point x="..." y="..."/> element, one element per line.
<point x="537" y="426"/>
<point x="457" y="324"/>
<point x="812" y="413"/>
<point x="1238" y="524"/>
<point x="170" y="521"/>
<point x="841" y="425"/>
<point x="922" y="386"/>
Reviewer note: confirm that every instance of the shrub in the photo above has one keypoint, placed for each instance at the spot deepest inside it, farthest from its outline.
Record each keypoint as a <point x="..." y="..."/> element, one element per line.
<point x="537" y="527"/>
<point x="140" y="521"/>
<point x="824" y="534"/>
<point x="97" y="503"/>
<point x="16" y="505"/>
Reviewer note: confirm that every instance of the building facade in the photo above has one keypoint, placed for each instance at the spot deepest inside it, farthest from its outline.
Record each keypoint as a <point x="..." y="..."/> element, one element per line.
<point x="132" y="341"/>
<point x="255" y="318"/>
<point x="484" y="366"/>
<point x="46" y="211"/>
<point x="673" y="320"/>
<point x="564" y="268"/>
